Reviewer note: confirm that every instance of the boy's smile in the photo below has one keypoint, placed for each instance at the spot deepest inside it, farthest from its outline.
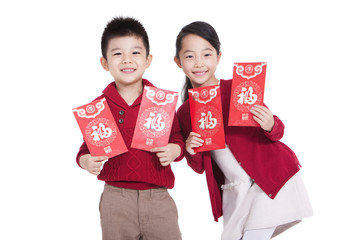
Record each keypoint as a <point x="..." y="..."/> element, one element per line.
<point x="128" y="70"/>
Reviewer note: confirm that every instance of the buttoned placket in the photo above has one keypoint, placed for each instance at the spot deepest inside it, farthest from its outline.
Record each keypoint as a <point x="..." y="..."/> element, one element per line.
<point x="121" y="112"/>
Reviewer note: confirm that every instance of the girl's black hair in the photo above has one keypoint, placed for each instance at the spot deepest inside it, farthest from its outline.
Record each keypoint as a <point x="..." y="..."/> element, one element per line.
<point x="204" y="30"/>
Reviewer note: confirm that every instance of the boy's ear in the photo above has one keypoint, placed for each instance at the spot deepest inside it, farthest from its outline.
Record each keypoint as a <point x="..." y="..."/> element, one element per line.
<point x="104" y="63"/>
<point x="148" y="60"/>
<point x="177" y="61"/>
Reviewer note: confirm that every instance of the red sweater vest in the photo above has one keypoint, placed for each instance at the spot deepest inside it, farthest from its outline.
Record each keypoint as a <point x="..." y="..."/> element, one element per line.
<point x="135" y="169"/>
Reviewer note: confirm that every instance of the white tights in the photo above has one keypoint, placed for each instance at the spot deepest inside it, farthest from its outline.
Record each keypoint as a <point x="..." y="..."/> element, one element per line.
<point x="259" y="234"/>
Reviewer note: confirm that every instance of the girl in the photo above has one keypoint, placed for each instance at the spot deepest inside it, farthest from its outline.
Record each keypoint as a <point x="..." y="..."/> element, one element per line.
<point x="262" y="191"/>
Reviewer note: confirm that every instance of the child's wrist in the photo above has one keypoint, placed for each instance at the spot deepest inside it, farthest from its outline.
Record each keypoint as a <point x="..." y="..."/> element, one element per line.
<point x="82" y="160"/>
<point x="177" y="150"/>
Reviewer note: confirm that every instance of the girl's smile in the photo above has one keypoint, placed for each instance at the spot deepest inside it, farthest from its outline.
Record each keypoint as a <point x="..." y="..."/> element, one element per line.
<point x="200" y="73"/>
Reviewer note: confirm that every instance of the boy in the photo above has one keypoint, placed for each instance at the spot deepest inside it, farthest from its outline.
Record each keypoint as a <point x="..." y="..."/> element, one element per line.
<point x="135" y="203"/>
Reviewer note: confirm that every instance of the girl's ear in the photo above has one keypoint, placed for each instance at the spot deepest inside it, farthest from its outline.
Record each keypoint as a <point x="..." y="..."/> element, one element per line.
<point x="218" y="57"/>
<point x="104" y="63"/>
<point x="177" y="61"/>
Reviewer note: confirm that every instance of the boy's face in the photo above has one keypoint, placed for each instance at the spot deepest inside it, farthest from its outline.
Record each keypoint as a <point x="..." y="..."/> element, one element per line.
<point x="126" y="59"/>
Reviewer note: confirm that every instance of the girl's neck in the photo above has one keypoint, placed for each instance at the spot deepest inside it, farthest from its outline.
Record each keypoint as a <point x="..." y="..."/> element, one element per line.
<point x="212" y="82"/>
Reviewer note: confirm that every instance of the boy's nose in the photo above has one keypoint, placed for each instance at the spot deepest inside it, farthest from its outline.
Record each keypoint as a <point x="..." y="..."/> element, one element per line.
<point x="126" y="59"/>
<point x="199" y="64"/>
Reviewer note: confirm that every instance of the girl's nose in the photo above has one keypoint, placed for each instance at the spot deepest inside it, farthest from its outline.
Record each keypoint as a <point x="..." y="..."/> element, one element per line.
<point x="199" y="62"/>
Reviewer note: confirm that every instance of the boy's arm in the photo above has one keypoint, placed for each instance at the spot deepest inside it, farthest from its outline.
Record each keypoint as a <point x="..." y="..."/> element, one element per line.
<point x="167" y="154"/>
<point x="82" y="151"/>
<point x="92" y="164"/>
<point x="88" y="162"/>
<point x="177" y="138"/>
<point x="174" y="151"/>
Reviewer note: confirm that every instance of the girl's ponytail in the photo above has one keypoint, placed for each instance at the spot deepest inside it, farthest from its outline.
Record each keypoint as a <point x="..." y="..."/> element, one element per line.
<point x="186" y="87"/>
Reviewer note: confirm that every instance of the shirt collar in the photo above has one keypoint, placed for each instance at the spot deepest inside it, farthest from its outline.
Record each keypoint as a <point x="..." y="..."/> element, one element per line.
<point x="111" y="92"/>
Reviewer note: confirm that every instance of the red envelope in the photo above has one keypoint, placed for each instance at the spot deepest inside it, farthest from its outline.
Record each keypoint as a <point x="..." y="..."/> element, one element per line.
<point x="155" y="118"/>
<point x="99" y="129"/>
<point x="206" y="117"/>
<point x="247" y="89"/>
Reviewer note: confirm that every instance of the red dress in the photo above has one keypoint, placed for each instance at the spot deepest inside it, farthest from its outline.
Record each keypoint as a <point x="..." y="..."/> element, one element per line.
<point x="269" y="162"/>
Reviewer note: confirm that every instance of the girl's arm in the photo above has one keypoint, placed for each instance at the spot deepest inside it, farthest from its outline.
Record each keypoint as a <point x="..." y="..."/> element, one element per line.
<point x="277" y="131"/>
<point x="194" y="160"/>
<point x="272" y="125"/>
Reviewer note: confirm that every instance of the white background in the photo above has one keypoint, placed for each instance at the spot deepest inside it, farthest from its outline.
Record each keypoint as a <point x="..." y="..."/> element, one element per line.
<point x="50" y="53"/>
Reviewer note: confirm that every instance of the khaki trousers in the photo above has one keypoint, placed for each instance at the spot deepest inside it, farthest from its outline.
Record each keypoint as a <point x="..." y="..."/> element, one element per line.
<point x="128" y="214"/>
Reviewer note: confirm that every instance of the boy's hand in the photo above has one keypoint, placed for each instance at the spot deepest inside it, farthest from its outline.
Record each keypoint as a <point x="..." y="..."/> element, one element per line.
<point x="167" y="154"/>
<point x="263" y="116"/>
<point x="92" y="164"/>
<point x="193" y="141"/>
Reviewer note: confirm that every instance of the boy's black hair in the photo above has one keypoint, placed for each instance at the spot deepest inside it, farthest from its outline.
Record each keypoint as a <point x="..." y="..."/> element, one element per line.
<point x="121" y="27"/>
<point x="203" y="30"/>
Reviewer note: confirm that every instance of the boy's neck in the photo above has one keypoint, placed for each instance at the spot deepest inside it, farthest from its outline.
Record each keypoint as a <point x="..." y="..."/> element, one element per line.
<point x="129" y="92"/>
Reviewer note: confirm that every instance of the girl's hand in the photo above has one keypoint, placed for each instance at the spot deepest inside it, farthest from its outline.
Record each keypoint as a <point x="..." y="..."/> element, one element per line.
<point x="263" y="116"/>
<point x="167" y="154"/>
<point x="92" y="164"/>
<point x="193" y="141"/>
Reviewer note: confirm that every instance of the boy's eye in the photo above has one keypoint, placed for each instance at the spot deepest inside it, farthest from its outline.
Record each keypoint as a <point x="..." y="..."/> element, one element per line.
<point x="208" y="55"/>
<point x="189" y="56"/>
<point x="117" y="54"/>
<point x="136" y="52"/>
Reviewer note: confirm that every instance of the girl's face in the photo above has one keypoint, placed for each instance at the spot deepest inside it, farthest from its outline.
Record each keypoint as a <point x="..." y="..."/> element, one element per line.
<point x="198" y="59"/>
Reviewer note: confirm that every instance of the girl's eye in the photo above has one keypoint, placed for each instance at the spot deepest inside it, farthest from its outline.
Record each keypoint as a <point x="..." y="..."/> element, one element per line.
<point x="189" y="56"/>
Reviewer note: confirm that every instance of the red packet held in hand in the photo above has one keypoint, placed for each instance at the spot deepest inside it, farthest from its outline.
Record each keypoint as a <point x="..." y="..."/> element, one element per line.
<point x="206" y="117"/>
<point x="247" y="89"/>
<point x="99" y="129"/>
<point x="155" y="118"/>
